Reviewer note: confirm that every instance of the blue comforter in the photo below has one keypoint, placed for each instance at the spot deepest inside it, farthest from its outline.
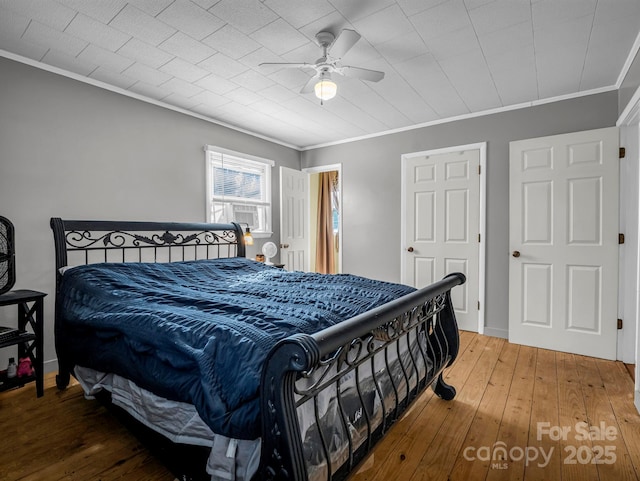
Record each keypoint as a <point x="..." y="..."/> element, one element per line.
<point x="199" y="331"/>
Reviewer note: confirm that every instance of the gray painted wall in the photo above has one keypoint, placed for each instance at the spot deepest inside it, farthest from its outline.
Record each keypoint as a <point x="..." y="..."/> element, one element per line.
<point x="72" y="150"/>
<point x="630" y="84"/>
<point x="372" y="190"/>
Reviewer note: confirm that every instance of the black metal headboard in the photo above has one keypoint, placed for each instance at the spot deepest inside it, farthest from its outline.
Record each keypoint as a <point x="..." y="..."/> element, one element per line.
<point x="80" y="242"/>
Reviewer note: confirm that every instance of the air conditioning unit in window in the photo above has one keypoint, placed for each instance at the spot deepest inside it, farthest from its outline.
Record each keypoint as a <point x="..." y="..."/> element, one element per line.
<point x="246" y="214"/>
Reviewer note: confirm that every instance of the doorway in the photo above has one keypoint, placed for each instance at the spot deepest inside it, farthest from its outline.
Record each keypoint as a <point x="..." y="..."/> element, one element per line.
<point x="325" y="218"/>
<point x="629" y="336"/>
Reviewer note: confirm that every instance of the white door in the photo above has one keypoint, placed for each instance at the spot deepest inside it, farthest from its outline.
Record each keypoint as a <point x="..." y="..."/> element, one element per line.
<point x="441" y="205"/>
<point x="563" y="272"/>
<point x="294" y="219"/>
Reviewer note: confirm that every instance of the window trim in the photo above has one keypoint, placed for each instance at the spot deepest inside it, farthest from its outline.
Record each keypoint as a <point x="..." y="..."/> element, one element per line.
<point x="252" y="158"/>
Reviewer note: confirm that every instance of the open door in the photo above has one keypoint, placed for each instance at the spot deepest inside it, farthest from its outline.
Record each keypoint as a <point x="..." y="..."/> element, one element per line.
<point x="294" y="219"/>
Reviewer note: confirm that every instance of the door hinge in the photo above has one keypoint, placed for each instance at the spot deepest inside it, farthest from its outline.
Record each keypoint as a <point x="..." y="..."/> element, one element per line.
<point x="622" y="152"/>
<point x="619" y="323"/>
<point x="478" y="305"/>
<point x="478" y="237"/>
<point x="479" y="169"/>
<point x="620" y="238"/>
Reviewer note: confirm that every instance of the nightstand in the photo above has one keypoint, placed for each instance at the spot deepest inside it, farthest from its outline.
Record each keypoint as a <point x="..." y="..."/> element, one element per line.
<point x="29" y="341"/>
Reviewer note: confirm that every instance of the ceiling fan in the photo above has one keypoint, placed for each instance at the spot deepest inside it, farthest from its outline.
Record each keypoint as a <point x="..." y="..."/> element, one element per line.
<point x="333" y="49"/>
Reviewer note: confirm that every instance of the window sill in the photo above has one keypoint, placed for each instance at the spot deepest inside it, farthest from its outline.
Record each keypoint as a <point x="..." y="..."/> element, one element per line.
<point x="261" y="235"/>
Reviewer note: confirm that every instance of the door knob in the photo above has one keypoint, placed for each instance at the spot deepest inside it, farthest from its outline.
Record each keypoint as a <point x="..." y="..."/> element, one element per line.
<point x="284" y="246"/>
<point x="515" y="253"/>
<point x="410" y="249"/>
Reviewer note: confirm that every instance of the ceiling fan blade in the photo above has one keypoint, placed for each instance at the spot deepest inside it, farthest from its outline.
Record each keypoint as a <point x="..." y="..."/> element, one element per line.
<point x="308" y="87"/>
<point x="343" y="43"/>
<point x="361" y="73"/>
<point x="287" y="64"/>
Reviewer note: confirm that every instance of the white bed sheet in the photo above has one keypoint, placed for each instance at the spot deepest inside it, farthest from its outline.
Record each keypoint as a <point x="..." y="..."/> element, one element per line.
<point x="229" y="459"/>
<point x="237" y="459"/>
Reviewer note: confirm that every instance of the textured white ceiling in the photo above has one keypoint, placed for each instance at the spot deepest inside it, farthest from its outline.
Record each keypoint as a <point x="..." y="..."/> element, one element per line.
<point x="442" y="58"/>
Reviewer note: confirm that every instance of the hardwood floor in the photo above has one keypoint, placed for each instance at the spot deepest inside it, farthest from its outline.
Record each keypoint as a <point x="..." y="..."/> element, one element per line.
<point x="520" y="399"/>
<point x="632" y="370"/>
<point x="62" y="436"/>
<point x="556" y="416"/>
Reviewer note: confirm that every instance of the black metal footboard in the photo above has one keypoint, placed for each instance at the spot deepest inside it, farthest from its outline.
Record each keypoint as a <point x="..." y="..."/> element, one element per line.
<point x="328" y="398"/>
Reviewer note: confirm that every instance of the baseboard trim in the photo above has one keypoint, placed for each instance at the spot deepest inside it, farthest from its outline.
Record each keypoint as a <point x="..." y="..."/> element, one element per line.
<point x="50" y="366"/>
<point x="496" y="332"/>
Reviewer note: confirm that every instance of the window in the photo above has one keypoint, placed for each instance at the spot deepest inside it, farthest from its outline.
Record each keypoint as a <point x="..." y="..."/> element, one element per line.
<point x="239" y="189"/>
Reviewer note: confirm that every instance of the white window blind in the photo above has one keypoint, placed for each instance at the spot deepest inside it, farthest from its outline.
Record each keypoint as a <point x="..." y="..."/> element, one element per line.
<point x="239" y="189"/>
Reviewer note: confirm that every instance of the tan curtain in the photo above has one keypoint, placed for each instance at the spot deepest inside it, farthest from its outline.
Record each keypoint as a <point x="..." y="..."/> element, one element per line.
<point x="325" y="248"/>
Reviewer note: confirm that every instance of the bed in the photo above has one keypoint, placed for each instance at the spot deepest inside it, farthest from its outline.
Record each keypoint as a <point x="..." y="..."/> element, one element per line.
<point x="278" y="375"/>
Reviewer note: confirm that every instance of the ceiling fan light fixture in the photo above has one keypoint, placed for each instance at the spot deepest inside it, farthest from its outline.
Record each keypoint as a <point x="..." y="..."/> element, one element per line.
<point x="325" y="88"/>
<point x="333" y="50"/>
